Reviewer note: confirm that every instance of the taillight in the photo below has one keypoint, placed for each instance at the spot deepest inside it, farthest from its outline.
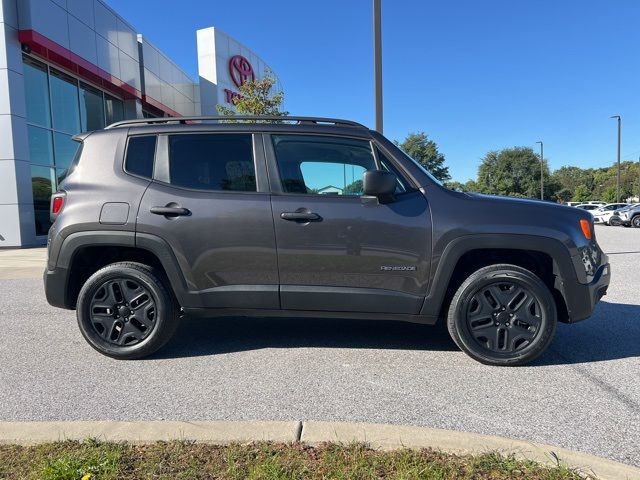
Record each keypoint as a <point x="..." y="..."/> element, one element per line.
<point x="585" y="226"/>
<point x="57" y="204"/>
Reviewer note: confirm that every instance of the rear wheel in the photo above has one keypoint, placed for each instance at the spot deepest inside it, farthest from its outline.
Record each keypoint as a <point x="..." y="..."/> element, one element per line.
<point x="125" y="311"/>
<point x="502" y="315"/>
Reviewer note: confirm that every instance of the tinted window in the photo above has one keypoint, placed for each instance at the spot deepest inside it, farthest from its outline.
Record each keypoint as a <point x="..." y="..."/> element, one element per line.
<point x="322" y="165"/>
<point x="212" y="162"/>
<point x="64" y="102"/>
<point x="36" y="85"/>
<point x="91" y="108"/>
<point x="114" y="109"/>
<point x="40" y="145"/>
<point x="140" y="154"/>
<point x="65" y="149"/>
<point x="42" y="184"/>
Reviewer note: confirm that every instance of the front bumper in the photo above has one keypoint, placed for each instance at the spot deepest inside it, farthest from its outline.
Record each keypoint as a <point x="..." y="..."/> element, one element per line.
<point x="581" y="298"/>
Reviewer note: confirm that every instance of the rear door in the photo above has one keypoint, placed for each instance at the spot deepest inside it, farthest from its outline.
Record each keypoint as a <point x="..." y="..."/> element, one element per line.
<point x="337" y="250"/>
<point x="208" y="203"/>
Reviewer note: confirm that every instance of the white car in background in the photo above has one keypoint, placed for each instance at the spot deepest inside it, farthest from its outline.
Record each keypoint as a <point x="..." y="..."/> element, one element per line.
<point x="628" y="216"/>
<point x="603" y="214"/>
<point x="590" y="207"/>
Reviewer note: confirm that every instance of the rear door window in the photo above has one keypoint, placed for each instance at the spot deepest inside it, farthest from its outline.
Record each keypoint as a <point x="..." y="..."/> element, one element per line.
<point x="216" y="162"/>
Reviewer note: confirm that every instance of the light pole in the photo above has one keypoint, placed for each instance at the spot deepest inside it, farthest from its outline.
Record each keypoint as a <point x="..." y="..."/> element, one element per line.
<point x="541" y="170"/>
<point x="377" y="62"/>
<point x="619" y="137"/>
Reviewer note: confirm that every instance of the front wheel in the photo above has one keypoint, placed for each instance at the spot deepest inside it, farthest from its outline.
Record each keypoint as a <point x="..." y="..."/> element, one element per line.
<point x="125" y="311"/>
<point x="635" y="221"/>
<point x="502" y="315"/>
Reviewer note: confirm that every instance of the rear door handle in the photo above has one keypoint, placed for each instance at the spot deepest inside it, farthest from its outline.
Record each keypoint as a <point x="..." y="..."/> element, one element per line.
<point x="300" y="216"/>
<point x="170" y="211"/>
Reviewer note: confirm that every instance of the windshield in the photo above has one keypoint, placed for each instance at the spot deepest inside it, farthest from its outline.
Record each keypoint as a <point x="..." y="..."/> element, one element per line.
<point x="421" y="167"/>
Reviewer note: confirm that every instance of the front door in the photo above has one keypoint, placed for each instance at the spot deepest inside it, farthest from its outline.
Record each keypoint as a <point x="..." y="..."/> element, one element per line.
<point x="339" y="251"/>
<point x="207" y="204"/>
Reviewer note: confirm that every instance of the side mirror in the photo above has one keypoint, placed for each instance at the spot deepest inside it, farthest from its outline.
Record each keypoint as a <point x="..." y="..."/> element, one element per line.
<point x="380" y="184"/>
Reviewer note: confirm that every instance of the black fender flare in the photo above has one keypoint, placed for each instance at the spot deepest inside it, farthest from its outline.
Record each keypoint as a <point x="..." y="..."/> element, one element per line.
<point x="563" y="263"/>
<point x="73" y="243"/>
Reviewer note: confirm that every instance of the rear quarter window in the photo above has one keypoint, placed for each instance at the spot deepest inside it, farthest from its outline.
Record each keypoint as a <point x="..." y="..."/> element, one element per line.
<point x="140" y="154"/>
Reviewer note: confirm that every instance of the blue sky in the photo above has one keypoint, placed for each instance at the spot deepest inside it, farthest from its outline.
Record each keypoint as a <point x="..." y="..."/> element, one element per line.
<point x="474" y="75"/>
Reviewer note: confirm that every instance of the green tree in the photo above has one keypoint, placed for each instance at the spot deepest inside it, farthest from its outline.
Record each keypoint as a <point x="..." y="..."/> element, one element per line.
<point x="256" y="98"/>
<point x="514" y="172"/>
<point x="564" y="195"/>
<point x="425" y="151"/>
<point x="354" y="188"/>
<point x="581" y="194"/>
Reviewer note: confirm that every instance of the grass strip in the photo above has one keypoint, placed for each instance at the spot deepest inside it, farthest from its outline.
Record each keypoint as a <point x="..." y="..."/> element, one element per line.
<point x="94" y="460"/>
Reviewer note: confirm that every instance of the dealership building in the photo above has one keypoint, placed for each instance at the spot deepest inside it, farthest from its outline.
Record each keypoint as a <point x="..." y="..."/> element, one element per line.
<point x="68" y="66"/>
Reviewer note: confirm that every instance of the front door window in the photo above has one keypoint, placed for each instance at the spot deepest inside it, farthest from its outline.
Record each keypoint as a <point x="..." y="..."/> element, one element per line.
<point x="318" y="165"/>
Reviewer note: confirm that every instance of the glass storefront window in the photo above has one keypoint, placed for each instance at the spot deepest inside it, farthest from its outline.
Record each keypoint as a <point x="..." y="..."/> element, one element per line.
<point x="115" y="109"/>
<point x="42" y="185"/>
<point x="64" y="102"/>
<point x="91" y="108"/>
<point x="59" y="106"/>
<point x="40" y="146"/>
<point x="37" y="84"/>
<point x="64" y="149"/>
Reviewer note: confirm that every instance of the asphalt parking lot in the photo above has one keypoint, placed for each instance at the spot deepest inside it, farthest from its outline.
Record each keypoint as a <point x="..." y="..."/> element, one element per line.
<point x="583" y="394"/>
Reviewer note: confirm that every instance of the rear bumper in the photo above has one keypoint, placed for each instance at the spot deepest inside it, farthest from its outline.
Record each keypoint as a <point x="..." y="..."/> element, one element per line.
<point x="55" y="287"/>
<point x="582" y="298"/>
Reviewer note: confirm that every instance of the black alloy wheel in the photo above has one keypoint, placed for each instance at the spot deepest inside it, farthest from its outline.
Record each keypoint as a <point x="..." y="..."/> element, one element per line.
<point x="122" y="311"/>
<point x="127" y="310"/>
<point x="502" y="315"/>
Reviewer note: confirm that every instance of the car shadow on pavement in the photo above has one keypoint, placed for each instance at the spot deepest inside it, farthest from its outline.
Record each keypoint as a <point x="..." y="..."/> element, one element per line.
<point x="200" y="336"/>
<point x="612" y="332"/>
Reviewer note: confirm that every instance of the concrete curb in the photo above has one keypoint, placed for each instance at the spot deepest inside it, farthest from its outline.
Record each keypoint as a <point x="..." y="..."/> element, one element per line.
<point x="382" y="436"/>
<point x="29" y="433"/>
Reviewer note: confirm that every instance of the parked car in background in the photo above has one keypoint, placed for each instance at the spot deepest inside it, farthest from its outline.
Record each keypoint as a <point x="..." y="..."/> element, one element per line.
<point x="590" y="207"/>
<point x="589" y="202"/>
<point x="603" y="214"/>
<point x="629" y="216"/>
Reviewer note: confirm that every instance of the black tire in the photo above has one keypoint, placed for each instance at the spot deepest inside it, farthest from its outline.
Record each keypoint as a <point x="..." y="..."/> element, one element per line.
<point x="635" y="221"/>
<point x="514" y="331"/>
<point x="135" y="323"/>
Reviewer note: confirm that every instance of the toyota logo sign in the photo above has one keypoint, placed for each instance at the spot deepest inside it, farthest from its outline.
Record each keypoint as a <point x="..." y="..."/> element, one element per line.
<point x="240" y="70"/>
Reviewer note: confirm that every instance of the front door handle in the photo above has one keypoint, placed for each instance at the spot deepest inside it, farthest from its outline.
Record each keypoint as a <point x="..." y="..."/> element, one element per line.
<point x="171" y="211"/>
<point x="300" y="216"/>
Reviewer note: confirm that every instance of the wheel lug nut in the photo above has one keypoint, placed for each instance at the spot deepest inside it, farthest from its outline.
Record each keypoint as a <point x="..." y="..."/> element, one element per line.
<point x="497" y="324"/>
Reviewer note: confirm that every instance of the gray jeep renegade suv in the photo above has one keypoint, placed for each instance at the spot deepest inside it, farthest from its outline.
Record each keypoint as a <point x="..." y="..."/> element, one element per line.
<point x="304" y="217"/>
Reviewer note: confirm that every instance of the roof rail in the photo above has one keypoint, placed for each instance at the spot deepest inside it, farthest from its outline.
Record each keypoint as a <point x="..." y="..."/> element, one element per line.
<point x="241" y="118"/>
